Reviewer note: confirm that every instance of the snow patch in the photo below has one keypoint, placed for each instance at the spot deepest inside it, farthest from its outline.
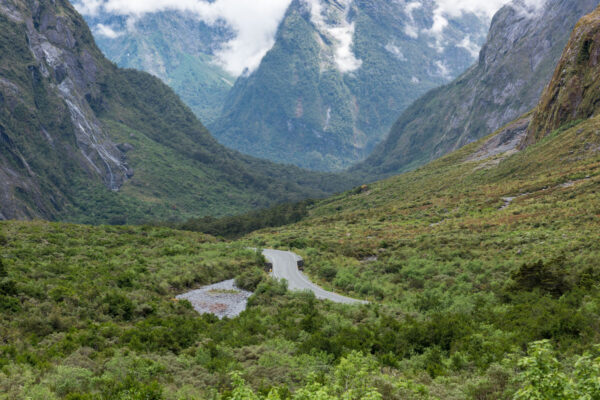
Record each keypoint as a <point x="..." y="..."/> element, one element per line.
<point x="107" y="31"/>
<point x="333" y="22"/>
<point x="395" y="51"/>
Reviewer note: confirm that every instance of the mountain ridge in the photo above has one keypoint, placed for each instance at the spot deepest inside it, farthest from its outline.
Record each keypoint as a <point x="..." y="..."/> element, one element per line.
<point x="513" y="69"/>
<point x="574" y="91"/>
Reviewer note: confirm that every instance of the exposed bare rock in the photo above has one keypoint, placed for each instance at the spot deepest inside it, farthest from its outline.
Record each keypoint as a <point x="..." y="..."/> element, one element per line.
<point x="56" y="51"/>
<point x="505" y="142"/>
<point x="574" y="91"/>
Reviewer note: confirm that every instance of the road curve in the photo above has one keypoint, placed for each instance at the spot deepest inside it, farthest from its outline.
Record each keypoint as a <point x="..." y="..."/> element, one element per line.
<point x="285" y="266"/>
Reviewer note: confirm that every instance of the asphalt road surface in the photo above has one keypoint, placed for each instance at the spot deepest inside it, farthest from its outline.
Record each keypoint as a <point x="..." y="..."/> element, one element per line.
<point x="285" y="266"/>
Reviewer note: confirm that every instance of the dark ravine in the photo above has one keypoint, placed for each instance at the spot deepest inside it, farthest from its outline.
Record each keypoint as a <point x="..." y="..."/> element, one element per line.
<point x="514" y="66"/>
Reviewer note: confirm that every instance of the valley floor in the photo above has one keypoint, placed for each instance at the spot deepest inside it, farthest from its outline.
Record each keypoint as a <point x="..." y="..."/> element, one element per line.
<point x="460" y="285"/>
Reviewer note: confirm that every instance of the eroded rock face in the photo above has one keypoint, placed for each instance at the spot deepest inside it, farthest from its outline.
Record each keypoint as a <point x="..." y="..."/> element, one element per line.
<point x="574" y="91"/>
<point x="73" y="73"/>
<point x="64" y="108"/>
<point x="50" y="74"/>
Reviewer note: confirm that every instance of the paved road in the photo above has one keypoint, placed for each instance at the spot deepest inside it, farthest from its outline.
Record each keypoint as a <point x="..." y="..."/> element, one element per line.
<point x="285" y="266"/>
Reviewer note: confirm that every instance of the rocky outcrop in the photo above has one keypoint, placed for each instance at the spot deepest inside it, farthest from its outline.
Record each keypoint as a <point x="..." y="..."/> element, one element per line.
<point x="72" y="70"/>
<point x="48" y="70"/>
<point x="574" y="91"/>
<point x="504" y="143"/>
<point x="515" y="64"/>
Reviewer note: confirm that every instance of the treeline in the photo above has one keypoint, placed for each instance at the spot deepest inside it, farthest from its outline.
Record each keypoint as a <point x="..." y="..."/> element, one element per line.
<point x="232" y="227"/>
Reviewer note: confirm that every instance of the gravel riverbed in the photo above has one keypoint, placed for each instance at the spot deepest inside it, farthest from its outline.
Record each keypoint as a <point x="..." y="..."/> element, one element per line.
<point x="222" y="299"/>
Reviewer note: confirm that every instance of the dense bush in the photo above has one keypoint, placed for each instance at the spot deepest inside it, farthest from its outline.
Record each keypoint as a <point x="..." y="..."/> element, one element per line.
<point x="239" y="225"/>
<point x="250" y="279"/>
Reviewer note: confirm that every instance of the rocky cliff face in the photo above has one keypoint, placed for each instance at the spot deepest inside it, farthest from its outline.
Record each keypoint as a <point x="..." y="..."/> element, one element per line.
<point x="574" y="91"/>
<point x="339" y="75"/>
<point x="71" y="69"/>
<point x="83" y="140"/>
<point x="515" y="64"/>
<point x="50" y="69"/>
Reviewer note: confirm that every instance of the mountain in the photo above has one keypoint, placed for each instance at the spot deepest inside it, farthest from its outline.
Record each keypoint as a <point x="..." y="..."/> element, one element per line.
<point x="515" y="64"/>
<point x="83" y="140"/>
<point x="338" y="76"/>
<point x="176" y="47"/>
<point x="481" y="269"/>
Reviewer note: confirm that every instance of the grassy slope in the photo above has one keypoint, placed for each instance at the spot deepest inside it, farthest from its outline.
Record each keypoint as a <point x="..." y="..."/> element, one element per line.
<point x="446" y="216"/>
<point x="445" y="250"/>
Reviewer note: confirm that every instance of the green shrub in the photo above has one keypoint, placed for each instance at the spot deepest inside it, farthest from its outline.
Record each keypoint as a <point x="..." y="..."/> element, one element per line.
<point x="250" y="278"/>
<point x="548" y="277"/>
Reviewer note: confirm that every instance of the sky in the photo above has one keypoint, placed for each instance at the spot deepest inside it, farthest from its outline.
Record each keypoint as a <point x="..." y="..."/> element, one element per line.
<point x="256" y="21"/>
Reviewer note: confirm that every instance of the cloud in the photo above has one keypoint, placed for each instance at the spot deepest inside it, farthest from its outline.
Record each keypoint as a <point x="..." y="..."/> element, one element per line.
<point x="411" y="30"/>
<point x="442" y="70"/>
<point x="107" y="31"/>
<point x="255" y="23"/>
<point x="485" y="9"/>
<point x="528" y="8"/>
<point x="457" y="8"/>
<point x="332" y="22"/>
<point x="468" y="45"/>
<point x="395" y="51"/>
<point x="481" y="8"/>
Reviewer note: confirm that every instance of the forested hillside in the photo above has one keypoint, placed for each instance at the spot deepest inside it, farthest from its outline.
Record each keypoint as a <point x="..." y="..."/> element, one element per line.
<point x="176" y="47"/>
<point x="336" y="76"/>
<point x="83" y="140"/>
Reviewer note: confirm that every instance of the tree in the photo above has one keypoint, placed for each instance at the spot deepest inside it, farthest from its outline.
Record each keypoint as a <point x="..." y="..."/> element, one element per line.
<point x="541" y="374"/>
<point x="543" y="379"/>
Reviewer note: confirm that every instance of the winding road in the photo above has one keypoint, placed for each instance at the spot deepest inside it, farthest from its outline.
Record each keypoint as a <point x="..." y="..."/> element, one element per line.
<point x="285" y="266"/>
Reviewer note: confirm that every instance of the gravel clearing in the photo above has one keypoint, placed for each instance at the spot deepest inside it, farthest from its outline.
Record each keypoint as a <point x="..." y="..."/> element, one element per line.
<point x="222" y="299"/>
